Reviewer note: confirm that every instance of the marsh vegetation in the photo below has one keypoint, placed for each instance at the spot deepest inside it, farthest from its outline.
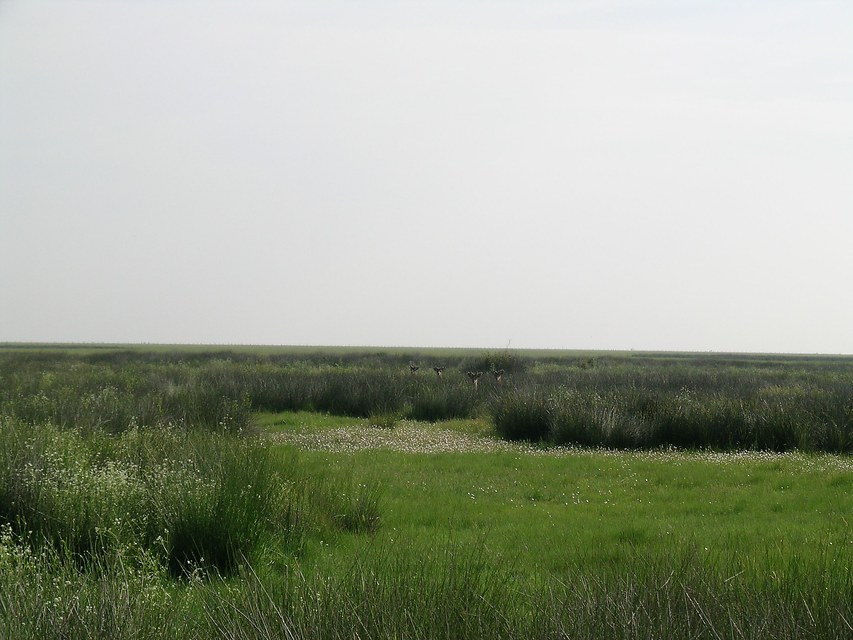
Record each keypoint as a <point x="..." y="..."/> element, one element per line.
<point x="162" y="493"/>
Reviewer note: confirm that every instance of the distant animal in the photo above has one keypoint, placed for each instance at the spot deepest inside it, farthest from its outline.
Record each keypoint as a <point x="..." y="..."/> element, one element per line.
<point x="475" y="377"/>
<point x="413" y="367"/>
<point x="499" y="375"/>
<point x="438" y="371"/>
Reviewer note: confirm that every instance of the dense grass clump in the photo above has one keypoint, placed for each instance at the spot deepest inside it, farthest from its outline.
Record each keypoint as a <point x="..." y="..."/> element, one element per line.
<point x="524" y="415"/>
<point x="589" y="418"/>
<point x="193" y="498"/>
<point x="442" y="402"/>
<point x="647" y="418"/>
<point x="96" y="397"/>
<point x="125" y="594"/>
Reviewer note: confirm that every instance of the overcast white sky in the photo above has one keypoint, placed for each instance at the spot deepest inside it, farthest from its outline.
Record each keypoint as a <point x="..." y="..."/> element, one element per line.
<point x="649" y="174"/>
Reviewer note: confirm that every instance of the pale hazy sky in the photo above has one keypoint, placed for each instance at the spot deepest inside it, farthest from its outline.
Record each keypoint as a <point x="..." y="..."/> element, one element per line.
<point x="649" y="174"/>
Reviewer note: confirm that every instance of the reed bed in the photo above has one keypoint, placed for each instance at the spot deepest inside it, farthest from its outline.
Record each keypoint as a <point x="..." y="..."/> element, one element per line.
<point x="725" y="403"/>
<point x="139" y="498"/>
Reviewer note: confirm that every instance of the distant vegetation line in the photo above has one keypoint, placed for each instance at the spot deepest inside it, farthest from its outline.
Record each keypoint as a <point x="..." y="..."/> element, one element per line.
<point x="634" y="401"/>
<point x="531" y="352"/>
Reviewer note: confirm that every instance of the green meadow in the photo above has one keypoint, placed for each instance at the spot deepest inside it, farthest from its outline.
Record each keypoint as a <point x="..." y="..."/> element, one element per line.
<point x="322" y="493"/>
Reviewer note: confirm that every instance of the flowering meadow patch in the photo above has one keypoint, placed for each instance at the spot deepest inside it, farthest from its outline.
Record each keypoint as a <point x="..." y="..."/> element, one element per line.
<point x="428" y="438"/>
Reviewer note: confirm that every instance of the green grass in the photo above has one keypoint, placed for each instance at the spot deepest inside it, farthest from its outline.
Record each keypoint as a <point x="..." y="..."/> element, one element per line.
<point x="302" y="420"/>
<point x="471" y="544"/>
<point x="147" y="494"/>
<point x="550" y="510"/>
<point x="193" y="498"/>
<point x="636" y="401"/>
<point x="598" y="543"/>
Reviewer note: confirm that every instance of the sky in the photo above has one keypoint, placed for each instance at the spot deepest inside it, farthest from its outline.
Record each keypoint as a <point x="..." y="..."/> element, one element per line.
<point x="574" y="174"/>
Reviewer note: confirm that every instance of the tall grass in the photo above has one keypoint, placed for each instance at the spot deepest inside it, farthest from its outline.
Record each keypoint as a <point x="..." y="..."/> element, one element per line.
<point x="724" y="402"/>
<point x="193" y="498"/>
<point x="341" y="503"/>
<point x="632" y="416"/>
<point x="449" y="591"/>
<point x="780" y="596"/>
<point x="99" y="398"/>
<point x="218" y="394"/>
<point x="46" y="594"/>
<point x="452" y="399"/>
<point x="135" y="502"/>
<point x="522" y="415"/>
<point x="459" y="592"/>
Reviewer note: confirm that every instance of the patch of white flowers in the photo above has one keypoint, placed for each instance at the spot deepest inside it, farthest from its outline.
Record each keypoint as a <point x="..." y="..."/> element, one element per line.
<point x="405" y="437"/>
<point x="419" y="437"/>
<point x="121" y="499"/>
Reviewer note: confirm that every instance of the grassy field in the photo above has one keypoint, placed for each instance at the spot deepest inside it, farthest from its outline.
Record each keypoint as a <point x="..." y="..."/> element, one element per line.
<point x="188" y="494"/>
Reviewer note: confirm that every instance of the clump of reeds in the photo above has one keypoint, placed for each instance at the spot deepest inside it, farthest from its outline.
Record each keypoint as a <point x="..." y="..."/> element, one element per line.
<point x="632" y="417"/>
<point x="522" y="415"/>
<point x="193" y="498"/>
